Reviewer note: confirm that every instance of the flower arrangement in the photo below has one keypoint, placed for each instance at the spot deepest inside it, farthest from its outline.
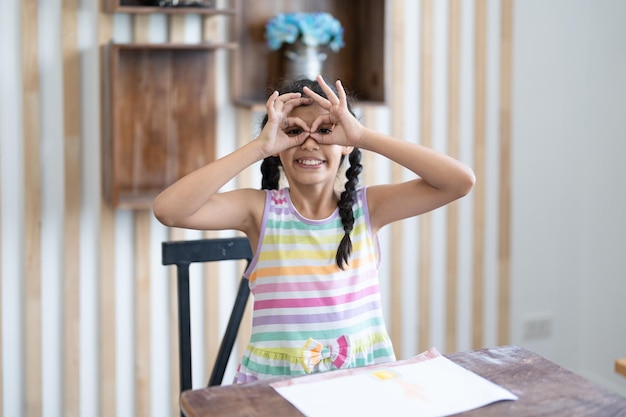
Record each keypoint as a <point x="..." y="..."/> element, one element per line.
<point x="313" y="29"/>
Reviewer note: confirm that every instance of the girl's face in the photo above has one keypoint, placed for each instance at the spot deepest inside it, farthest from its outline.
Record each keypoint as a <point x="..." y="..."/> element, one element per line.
<point x="312" y="163"/>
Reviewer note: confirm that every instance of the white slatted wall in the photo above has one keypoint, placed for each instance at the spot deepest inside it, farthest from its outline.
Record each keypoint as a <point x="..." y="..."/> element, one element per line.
<point x="88" y="314"/>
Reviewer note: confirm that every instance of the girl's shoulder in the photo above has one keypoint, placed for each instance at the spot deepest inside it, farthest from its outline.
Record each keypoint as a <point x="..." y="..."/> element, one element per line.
<point x="246" y="198"/>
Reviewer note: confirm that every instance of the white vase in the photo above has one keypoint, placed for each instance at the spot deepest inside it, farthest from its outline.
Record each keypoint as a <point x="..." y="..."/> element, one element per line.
<point x="303" y="61"/>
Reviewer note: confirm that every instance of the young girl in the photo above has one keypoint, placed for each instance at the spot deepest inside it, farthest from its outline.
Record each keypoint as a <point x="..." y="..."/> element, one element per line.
<point x="314" y="275"/>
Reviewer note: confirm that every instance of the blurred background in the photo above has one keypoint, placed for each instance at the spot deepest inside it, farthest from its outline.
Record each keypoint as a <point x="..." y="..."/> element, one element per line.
<point x="529" y="93"/>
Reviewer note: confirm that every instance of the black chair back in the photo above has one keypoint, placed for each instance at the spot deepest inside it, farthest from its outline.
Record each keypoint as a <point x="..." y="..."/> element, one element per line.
<point x="182" y="254"/>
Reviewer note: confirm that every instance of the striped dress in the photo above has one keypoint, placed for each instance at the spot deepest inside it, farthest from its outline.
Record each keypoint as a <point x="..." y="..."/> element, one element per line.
<point x="310" y="316"/>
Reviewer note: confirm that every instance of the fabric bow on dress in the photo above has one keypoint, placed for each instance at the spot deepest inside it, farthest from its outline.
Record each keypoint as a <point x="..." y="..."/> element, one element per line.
<point x="314" y="353"/>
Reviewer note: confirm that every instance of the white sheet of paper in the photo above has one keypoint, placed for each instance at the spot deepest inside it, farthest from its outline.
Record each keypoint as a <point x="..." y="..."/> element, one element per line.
<point x="432" y="386"/>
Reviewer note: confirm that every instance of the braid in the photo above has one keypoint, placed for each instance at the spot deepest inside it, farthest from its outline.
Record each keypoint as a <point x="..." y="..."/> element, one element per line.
<point x="345" y="204"/>
<point x="271" y="173"/>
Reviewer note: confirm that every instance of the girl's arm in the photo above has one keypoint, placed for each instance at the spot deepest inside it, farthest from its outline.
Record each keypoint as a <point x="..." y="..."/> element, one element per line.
<point x="194" y="201"/>
<point x="441" y="179"/>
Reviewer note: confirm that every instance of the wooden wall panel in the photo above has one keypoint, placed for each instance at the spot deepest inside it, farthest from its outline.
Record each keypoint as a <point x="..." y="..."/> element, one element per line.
<point x="32" y="203"/>
<point x="141" y="34"/>
<point x="452" y="214"/>
<point x="106" y="266"/>
<point x="396" y="103"/>
<point x="176" y="33"/>
<point x="425" y="138"/>
<point x="480" y="110"/>
<point x="504" y="193"/>
<point x="142" y="312"/>
<point x="174" y="373"/>
<point x="72" y="177"/>
<point x="245" y="131"/>
<point x="107" y="312"/>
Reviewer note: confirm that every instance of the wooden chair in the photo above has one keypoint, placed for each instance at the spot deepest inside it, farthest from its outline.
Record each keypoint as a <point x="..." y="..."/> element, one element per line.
<point x="182" y="254"/>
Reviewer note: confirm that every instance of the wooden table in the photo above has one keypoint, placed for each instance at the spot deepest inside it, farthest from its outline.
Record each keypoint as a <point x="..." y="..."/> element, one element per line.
<point x="543" y="388"/>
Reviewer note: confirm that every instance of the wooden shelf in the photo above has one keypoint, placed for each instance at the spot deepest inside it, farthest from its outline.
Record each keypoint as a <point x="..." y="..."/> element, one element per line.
<point x="159" y="117"/>
<point x="360" y="64"/>
<point x="147" y="6"/>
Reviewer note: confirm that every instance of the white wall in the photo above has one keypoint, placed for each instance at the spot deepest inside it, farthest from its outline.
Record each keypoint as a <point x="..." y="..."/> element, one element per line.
<point x="568" y="230"/>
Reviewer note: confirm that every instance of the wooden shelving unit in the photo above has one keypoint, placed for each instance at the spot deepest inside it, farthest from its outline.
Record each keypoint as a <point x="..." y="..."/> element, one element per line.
<point x="159" y="117"/>
<point x="158" y="110"/>
<point x="360" y="64"/>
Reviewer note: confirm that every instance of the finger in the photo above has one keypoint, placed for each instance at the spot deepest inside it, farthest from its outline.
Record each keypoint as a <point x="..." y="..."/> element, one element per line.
<point x="289" y="96"/>
<point x="323" y="102"/>
<point x="330" y="94"/>
<point x="342" y="92"/>
<point x="326" y="139"/>
<point x="290" y="141"/>
<point x="296" y="102"/>
<point x="296" y="121"/>
<point x="269" y="104"/>
<point x="321" y="120"/>
<point x="284" y="98"/>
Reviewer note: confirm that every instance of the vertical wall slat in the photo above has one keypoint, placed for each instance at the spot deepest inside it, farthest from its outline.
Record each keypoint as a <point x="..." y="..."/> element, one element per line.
<point x="106" y="270"/>
<point x="425" y="220"/>
<point x="244" y="132"/>
<point x="480" y="110"/>
<point x="141" y="30"/>
<point x="212" y="335"/>
<point x="106" y="266"/>
<point x="174" y="234"/>
<point x="504" y="192"/>
<point x="176" y="28"/>
<point x="107" y="300"/>
<point x="72" y="175"/>
<point x="454" y="69"/>
<point x="396" y="23"/>
<point x="32" y="205"/>
<point x="142" y="312"/>
<point x="176" y="33"/>
<point x="369" y="173"/>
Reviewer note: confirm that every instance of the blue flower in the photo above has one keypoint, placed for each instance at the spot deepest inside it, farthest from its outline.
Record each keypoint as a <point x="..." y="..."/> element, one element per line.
<point x="313" y="29"/>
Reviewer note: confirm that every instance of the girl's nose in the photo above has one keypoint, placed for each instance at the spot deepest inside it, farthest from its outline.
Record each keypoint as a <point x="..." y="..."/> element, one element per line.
<point x="310" y="144"/>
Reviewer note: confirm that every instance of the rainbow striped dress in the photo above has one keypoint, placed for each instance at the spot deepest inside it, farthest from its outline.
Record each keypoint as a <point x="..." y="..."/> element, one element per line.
<point x="310" y="316"/>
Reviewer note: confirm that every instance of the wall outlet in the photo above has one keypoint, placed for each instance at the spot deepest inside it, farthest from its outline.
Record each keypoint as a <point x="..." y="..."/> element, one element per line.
<point x="538" y="328"/>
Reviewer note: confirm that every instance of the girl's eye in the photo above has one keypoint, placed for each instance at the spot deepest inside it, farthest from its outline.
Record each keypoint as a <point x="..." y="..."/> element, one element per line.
<point x="325" y="130"/>
<point x="293" y="131"/>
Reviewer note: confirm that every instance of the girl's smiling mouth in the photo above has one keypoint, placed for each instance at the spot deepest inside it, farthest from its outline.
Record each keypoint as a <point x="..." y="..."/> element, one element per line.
<point x="309" y="162"/>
